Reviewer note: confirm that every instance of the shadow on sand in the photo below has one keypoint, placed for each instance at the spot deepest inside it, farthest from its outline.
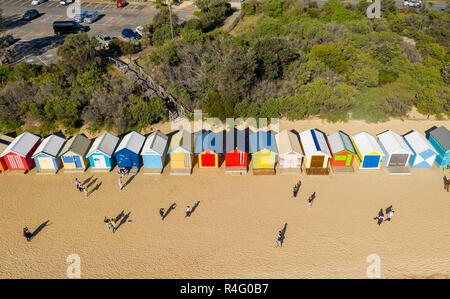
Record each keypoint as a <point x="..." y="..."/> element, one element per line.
<point x="40" y="228"/>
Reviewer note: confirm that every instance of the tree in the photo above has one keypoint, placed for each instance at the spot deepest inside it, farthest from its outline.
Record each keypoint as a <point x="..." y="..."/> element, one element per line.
<point x="428" y="102"/>
<point x="163" y="18"/>
<point x="216" y="107"/>
<point x="141" y="112"/>
<point x="120" y="47"/>
<point x="78" y="53"/>
<point x="273" y="56"/>
<point x="331" y="56"/>
<point x="161" y="34"/>
<point x="273" y="8"/>
<point x="364" y="76"/>
<point x="248" y="8"/>
<point x="236" y="74"/>
<point x="212" y="12"/>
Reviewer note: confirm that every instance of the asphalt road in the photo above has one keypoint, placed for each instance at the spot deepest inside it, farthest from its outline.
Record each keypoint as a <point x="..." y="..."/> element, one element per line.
<point x="35" y="40"/>
<point x="112" y="19"/>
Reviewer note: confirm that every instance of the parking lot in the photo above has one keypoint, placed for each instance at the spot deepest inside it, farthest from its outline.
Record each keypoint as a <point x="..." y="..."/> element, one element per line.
<point x="112" y="20"/>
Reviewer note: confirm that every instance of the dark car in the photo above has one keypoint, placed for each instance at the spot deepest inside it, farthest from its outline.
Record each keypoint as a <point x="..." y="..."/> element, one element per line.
<point x="67" y="27"/>
<point x="130" y="34"/>
<point x="30" y="15"/>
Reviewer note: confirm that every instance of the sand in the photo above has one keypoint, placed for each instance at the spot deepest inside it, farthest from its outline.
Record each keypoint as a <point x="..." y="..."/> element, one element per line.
<point x="232" y="233"/>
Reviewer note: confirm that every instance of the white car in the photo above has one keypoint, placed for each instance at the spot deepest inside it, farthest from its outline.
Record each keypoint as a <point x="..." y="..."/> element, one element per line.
<point x="65" y="2"/>
<point x="37" y="2"/>
<point x="412" y="3"/>
<point x="140" y="30"/>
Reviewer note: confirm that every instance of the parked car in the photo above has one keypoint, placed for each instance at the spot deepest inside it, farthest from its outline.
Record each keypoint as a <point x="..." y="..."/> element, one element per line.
<point x="65" y="2"/>
<point x="140" y="30"/>
<point x="121" y="3"/>
<point x="67" y="27"/>
<point x="130" y="34"/>
<point x="79" y="17"/>
<point x="104" y="40"/>
<point x="91" y="17"/>
<point x="30" y="15"/>
<point x="412" y="3"/>
<point x="37" y="2"/>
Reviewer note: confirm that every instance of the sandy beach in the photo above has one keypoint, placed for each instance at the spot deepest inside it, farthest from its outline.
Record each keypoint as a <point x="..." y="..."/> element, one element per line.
<point x="232" y="232"/>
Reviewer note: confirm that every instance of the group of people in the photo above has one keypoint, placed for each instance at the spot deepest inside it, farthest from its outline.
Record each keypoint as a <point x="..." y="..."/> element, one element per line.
<point x="163" y="213"/>
<point x="110" y="223"/>
<point x="446" y="184"/>
<point x="81" y="187"/>
<point x="389" y="214"/>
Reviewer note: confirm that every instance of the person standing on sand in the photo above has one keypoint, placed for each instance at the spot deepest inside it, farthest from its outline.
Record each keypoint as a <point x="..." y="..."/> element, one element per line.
<point x="27" y="234"/>
<point x="446" y="183"/>
<point x="120" y="183"/>
<point x="389" y="213"/>
<point x="380" y="220"/>
<point x="311" y="199"/>
<point x="380" y="217"/>
<point x="113" y="223"/>
<point x="188" y="211"/>
<point x="279" y="239"/>
<point x="107" y="222"/>
<point x="77" y="184"/>
<point x="161" y="212"/>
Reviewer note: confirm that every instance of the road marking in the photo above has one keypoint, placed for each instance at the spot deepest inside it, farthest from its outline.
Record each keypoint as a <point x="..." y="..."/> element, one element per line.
<point x="60" y="18"/>
<point x="106" y="6"/>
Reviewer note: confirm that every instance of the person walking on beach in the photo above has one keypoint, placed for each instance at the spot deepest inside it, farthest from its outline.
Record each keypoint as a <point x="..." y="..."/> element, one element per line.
<point x="279" y="239"/>
<point x="27" y="234"/>
<point x="389" y="213"/>
<point x="84" y="188"/>
<point x="380" y="217"/>
<point x="296" y="188"/>
<point x="446" y="183"/>
<point x="107" y="222"/>
<point x="161" y="212"/>
<point x="120" y="183"/>
<point x="311" y="199"/>
<point x="77" y="184"/>
<point x="113" y="223"/>
<point x="188" y="211"/>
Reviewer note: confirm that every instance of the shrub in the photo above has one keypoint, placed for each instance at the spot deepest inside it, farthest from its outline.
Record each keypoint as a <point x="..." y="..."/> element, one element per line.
<point x="120" y="47"/>
<point x="248" y="8"/>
